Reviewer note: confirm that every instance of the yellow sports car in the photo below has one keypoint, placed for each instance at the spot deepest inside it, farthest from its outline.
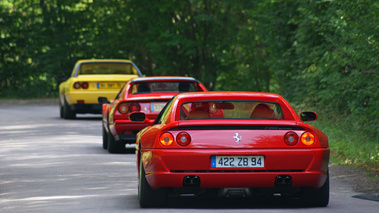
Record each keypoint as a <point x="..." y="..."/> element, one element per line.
<point x="91" y="79"/>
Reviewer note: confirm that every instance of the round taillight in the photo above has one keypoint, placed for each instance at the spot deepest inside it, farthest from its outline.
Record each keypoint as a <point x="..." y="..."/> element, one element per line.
<point x="85" y="85"/>
<point x="134" y="107"/>
<point x="166" y="139"/>
<point x="307" y="138"/>
<point x="291" y="138"/>
<point x="77" y="85"/>
<point x="123" y="108"/>
<point x="183" y="139"/>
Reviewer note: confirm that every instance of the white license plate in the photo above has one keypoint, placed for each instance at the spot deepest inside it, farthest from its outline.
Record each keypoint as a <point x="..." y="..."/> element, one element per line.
<point x="237" y="161"/>
<point x="108" y="85"/>
<point x="157" y="107"/>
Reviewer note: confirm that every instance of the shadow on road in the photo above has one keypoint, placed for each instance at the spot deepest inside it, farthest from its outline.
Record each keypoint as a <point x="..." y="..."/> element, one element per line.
<point x="233" y="203"/>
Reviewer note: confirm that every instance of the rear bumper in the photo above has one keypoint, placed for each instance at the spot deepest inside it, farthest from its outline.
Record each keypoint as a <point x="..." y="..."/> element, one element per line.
<point x="87" y="108"/>
<point x="167" y="168"/>
<point x="126" y="130"/>
<point x="89" y="97"/>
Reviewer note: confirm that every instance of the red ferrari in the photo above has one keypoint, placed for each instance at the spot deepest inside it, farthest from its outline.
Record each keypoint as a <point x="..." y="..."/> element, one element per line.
<point x="145" y="94"/>
<point x="231" y="144"/>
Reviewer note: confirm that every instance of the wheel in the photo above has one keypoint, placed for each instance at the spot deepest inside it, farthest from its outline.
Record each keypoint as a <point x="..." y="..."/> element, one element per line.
<point x="67" y="112"/>
<point x="61" y="112"/>
<point x="114" y="146"/>
<point x="147" y="196"/>
<point x="105" y="139"/>
<point x="317" y="197"/>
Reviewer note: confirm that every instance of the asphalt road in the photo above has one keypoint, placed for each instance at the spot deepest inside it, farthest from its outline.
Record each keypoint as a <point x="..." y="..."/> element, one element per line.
<point x="52" y="165"/>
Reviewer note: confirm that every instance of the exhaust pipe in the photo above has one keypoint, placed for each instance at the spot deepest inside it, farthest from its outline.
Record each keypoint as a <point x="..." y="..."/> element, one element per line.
<point x="196" y="180"/>
<point x="283" y="180"/>
<point x="287" y="180"/>
<point x="279" y="180"/>
<point x="191" y="180"/>
<point x="187" y="180"/>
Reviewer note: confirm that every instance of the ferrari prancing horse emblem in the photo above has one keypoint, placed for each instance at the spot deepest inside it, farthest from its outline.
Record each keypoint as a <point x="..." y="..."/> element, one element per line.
<point x="236" y="138"/>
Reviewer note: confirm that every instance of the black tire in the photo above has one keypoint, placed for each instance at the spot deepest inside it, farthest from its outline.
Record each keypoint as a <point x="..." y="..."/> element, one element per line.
<point x="115" y="146"/>
<point x="105" y="139"/>
<point x="67" y="112"/>
<point x="317" y="197"/>
<point x="61" y="112"/>
<point x="147" y="196"/>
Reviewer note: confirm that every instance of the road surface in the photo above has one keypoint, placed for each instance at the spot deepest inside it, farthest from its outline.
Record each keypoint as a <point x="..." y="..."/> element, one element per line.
<point x="48" y="164"/>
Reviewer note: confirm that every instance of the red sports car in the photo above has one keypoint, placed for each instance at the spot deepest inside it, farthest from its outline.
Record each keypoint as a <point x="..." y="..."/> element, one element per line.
<point x="231" y="144"/>
<point x="145" y="94"/>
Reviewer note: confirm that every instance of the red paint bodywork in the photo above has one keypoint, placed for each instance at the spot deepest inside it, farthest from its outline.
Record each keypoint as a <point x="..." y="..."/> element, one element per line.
<point x="166" y="166"/>
<point x="116" y="123"/>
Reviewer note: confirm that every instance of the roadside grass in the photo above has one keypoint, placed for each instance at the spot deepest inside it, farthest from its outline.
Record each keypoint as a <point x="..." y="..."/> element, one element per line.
<point x="349" y="144"/>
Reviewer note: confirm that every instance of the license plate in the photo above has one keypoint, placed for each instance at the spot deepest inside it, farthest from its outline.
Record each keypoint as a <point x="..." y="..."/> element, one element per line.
<point x="157" y="107"/>
<point x="237" y="161"/>
<point x="109" y="85"/>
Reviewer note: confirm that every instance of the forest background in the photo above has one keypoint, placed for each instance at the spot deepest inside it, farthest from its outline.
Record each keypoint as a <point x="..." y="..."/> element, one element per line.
<point x="320" y="55"/>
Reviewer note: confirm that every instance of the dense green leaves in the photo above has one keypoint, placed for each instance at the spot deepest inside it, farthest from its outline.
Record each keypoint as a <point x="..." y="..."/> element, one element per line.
<point x="321" y="52"/>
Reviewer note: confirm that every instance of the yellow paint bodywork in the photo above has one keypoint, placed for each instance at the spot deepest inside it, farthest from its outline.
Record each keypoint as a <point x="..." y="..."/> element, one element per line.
<point x="106" y="85"/>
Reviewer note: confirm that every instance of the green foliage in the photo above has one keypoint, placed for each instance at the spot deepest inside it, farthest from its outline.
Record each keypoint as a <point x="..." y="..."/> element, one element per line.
<point x="347" y="143"/>
<point x="335" y="63"/>
<point x="319" y="52"/>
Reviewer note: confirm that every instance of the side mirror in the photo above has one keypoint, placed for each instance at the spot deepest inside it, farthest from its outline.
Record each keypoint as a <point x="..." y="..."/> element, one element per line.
<point x="308" y="116"/>
<point x="103" y="100"/>
<point x="141" y="117"/>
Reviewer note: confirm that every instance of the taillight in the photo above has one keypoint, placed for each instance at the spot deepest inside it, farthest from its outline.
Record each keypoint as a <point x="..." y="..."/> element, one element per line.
<point x="134" y="107"/>
<point x="85" y="85"/>
<point x="183" y="139"/>
<point x="291" y="138"/>
<point x="78" y="85"/>
<point x="166" y="139"/>
<point x="123" y="108"/>
<point x="307" y="138"/>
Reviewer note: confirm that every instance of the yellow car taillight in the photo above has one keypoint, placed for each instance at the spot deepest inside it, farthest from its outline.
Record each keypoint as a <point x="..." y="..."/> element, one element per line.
<point x="85" y="85"/>
<point x="77" y="85"/>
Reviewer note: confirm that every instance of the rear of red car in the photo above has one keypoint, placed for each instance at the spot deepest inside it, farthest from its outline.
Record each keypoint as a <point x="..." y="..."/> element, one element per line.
<point x="122" y="128"/>
<point x="237" y="151"/>
<point x="261" y="157"/>
<point x="146" y="95"/>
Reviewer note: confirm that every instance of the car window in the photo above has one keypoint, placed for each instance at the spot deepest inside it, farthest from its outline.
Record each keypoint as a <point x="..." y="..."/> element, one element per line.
<point x="161" y="118"/>
<point x="231" y="110"/>
<point x="121" y="93"/>
<point x="169" y="86"/>
<point x="107" y="69"/>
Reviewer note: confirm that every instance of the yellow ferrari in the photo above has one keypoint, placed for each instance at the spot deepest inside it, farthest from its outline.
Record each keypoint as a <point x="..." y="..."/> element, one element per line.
<point x="91" y="79"/>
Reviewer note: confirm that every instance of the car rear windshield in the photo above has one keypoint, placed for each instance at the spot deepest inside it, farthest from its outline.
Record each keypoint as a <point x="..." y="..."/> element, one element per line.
<point x="162" y="86"/>
<point x="107" y="69"/>
<point x="231" y="110"/>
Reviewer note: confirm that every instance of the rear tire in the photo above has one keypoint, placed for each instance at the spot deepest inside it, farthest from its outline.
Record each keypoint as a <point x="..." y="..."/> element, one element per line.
<point x="147" y="196"/>
<point x="61" y="112"/>
<point x="317" y="197"/>
<point x="67" y="112"/>
<point x="115" y="146"/>
<point x="105" y="139"/>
